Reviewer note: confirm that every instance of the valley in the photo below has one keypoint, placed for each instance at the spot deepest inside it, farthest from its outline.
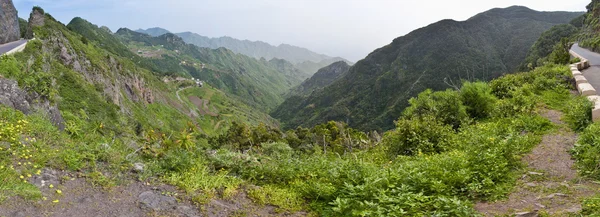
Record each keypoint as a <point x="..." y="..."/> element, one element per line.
<point x="483" y="117"/>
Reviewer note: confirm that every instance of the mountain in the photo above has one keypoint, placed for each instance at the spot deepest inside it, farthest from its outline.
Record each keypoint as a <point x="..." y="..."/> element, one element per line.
<point x="256" y="49"/>
<point x="256" y="82"/>
<point x="376" y="89"/>
<point x="156" y="31"/>
<point x="545" y="45"/>
<point x="305" y="60"/>
<point x="321" y="79"/>
<point x="312" y="67"/>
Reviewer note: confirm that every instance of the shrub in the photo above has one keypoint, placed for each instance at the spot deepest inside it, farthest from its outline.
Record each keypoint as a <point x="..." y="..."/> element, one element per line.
<point x="561" y="55"/>
<point x="504" y="86"/>
<point x="578" y="113"/>
<point x="415" y="136"/>
<point x="587" y="152"/>
<point x="445" y="106"/>
<point x="478" y="99"/>
<point x="521" y="101"/>
<point x="277" y="149"/>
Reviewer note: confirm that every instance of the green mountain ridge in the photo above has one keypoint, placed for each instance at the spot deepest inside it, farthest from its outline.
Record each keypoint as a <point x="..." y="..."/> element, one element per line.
<point x="139" y="137"/>
<point x="324" y="77"/>
<point x="305" y="60"/>
<point x="376" y="89"/>
<point x="255" y="82"/>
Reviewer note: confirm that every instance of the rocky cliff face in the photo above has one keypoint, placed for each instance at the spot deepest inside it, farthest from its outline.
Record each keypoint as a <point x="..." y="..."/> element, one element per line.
<point x="36" y="18"/>
<point x="13" y="96"/>
<point x="9" y="22"/>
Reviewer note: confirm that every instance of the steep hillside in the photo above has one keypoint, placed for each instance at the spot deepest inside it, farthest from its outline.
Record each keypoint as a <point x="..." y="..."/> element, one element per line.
<point x="156" y="31"/>
<point x="256" y="49"/>
<point x="545" y="45"/>
<point x="321" y="79"/>
<point x="376" y="89"/>
<point x="311" y="67"/>
<point x="256" y="82"/>
<point x="305" y="60"/>
<point x="588" y="36"/>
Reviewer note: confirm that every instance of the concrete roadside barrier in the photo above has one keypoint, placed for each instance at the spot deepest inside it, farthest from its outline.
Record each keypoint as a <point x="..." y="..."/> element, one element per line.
<point x="579" y="79"/>
<point x="586" y="89"/>
<point x="596" y="109"/>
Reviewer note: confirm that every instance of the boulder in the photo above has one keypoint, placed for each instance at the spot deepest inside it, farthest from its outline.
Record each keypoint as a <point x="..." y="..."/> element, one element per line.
<point x="9" y="22"/>
<point x="157" y="202"/>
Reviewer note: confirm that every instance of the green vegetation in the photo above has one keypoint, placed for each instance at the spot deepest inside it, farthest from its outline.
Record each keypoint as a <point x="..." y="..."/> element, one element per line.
<point x="256" y="82"/>
<point x="448" y="149"/>
<point x="544" y="46"/>
<point x="376" y="90"/>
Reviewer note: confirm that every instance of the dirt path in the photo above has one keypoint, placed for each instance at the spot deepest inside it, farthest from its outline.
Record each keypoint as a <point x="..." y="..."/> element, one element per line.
<point x="136" y="199"/>
<point x="550" y="183"/>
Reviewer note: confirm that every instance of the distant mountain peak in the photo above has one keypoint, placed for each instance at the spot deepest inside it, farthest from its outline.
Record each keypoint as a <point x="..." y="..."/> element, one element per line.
<point x="155" y="31"/>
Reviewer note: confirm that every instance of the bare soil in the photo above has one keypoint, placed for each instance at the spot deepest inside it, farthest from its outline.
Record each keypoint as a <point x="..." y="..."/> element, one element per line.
<point x="202" y="105"/>
<point x="550" y="183"/>
<point x="80" y="198"/>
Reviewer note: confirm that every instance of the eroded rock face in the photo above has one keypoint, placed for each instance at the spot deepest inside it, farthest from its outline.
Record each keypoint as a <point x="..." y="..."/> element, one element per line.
<point x="9" y="22"/>
<point x="36" y="18"/>
<point x="11" y="95"/>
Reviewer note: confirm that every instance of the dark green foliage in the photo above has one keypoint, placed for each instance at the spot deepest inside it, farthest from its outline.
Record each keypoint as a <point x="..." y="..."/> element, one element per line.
<point x="418" y="136"/>
<point x="578" y="113"/>
<point x="324" y="77"/>
<point x="375" y="90"/>
<point x="478" y="99"/>
<point x="561" y="55"/>
<point x="587" y="152"/>
<point x="545" y="45"/>
<point x="579" y="21"/>
<point x="444" y="106"/>
<point x="332" y="136"/>
<point x="522" y="101"/>
<point x="23" y="26"/>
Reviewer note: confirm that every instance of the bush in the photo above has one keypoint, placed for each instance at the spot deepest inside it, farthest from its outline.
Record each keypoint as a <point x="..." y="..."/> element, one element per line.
<point x="522" y="101"/>
<point x="587" y="152"/>
<point x="445" y="106"/>
<point x="504" y="86"/>
<point x="416" y="136"/>
<point x="561" y="55"/>
<point x="277" y="149"/>
<point x="578" y="113"/>
<point x="478" y="99"/>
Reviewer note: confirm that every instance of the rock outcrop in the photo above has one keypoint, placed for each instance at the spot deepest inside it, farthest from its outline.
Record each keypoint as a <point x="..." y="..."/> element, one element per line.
<point x="13" y="96"/>
<point x="9" y="22"/>
<point x="36" y="18"/>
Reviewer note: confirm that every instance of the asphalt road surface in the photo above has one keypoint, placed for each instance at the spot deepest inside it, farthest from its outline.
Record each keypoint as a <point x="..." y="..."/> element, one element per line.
<point x="11" y="45"/>
<point x="592" y="74"/>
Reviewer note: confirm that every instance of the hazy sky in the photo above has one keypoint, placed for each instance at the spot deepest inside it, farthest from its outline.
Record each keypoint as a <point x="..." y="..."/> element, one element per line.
<point x="346" y="28"/>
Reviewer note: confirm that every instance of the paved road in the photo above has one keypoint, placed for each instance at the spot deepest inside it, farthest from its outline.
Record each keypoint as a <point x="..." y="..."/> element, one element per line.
<point x="592" y="74"/>
<point x="12" y="45"/>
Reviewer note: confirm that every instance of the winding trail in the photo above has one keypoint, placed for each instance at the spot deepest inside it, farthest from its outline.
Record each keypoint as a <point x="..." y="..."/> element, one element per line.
<point x="550" y="184"/>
